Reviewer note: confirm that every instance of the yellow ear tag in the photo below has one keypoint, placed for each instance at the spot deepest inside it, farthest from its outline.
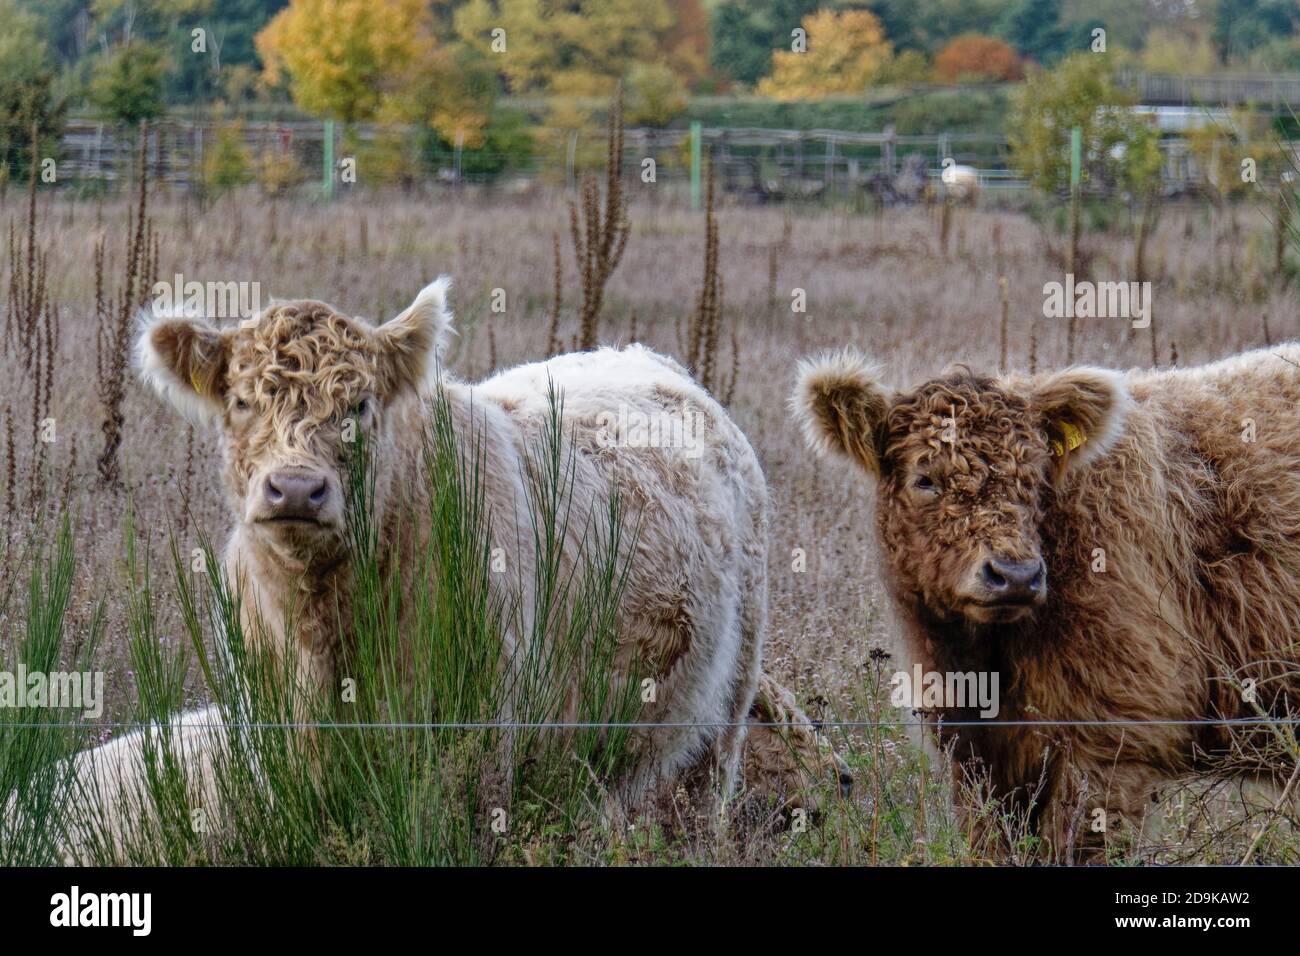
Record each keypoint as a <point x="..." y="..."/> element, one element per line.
<point x="1074" y="437"/>
<point x="194" y="380"/>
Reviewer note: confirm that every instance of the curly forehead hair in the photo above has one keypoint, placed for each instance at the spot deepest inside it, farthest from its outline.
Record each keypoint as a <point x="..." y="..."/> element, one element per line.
<point x="988" y="421"/>
<point x="306" y="354"/>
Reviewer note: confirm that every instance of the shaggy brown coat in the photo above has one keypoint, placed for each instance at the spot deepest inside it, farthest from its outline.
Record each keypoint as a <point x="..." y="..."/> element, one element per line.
<point x="1165" y="507"/>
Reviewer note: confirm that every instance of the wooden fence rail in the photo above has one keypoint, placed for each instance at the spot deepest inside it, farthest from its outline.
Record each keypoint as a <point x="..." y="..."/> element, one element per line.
<point x="769" y="162"/>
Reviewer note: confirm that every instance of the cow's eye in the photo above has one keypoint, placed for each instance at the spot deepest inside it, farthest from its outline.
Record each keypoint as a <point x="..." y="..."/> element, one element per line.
<point x="360" y="407"/>
<point x="241" y="405"/>
<point x="923" y="483"/>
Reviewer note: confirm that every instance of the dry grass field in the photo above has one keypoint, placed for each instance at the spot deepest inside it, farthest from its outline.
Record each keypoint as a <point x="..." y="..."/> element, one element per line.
<point x="882" y="282"/>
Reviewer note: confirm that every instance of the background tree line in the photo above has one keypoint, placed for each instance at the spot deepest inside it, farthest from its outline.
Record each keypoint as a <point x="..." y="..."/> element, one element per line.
<point x="439" y="65"/>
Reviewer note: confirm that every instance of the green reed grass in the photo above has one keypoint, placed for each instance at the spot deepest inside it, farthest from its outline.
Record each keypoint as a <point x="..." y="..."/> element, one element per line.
<point x="35" y="774"/>
<point x="405" y="761"/>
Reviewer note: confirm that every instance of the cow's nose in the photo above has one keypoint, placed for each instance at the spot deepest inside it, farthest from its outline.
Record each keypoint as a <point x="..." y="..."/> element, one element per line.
<point x="295" y="494"/>
<point x="1014" y="580"/>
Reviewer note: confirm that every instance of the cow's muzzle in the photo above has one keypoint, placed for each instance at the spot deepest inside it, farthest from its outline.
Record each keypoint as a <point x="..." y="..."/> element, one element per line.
<point x="1003" y="588"/>
<point x="294" y="495"/>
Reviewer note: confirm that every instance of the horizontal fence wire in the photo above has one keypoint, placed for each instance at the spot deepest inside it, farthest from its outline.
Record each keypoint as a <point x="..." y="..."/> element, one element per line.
<point x="633" y="724"/>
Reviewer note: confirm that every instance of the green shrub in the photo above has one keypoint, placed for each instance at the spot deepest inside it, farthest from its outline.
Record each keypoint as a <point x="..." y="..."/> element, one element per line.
<point x="507" y="144"/>
<point x="227" y="165"/>
<point x="35" y="743"/>
<point x="411" y="770"/>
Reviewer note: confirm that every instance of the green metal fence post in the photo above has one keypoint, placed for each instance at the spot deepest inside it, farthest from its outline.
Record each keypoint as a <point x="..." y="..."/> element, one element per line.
<point x="1076" y="157"/>
<point x="696" y="136"/>
<point x="328" y="182"/>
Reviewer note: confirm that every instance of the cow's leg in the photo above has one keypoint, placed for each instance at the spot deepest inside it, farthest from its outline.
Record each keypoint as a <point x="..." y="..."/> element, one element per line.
<point x="713" y="776"/>
<point x="689" y="742"/>
<point x="729" y="745"/>
<point x="1128" y="801"/>
<point x="705" y="696"/>
<point x="1095" y="809"/>
<point x="1000" y="799"/>
<point x="315" y="680"/>
<point x="668" y="746"/>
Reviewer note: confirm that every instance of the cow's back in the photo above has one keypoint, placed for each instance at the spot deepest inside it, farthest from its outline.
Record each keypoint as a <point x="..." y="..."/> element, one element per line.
<point x="1194" y="520"/>
<point x="689" y="484"/>
<point x="693" y="502"/>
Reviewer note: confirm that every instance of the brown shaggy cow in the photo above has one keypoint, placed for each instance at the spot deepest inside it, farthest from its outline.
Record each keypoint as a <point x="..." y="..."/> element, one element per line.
<point x="1116" y="547"/>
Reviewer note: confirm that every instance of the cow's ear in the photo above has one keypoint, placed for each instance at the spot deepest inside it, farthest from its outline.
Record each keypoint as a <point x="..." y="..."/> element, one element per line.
<point x="185" y="360"/>
<point x="411" y="343"/>
<point x="841" y="406"/>
<point x="1082" y="410"/>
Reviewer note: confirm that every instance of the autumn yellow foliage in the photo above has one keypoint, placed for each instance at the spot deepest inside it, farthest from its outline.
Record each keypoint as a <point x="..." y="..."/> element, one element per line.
<point x="846" y="52"/>
<point x="451" y="90"/>
<point x="340" y="57"/>
<point x="573" y="49"/>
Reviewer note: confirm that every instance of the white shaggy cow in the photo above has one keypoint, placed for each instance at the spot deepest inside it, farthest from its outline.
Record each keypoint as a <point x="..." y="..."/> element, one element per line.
<point x="281" y="388"/>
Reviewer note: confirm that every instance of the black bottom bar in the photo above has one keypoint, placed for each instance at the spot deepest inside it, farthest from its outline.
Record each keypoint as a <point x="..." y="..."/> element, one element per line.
<point x="338" y="906"/>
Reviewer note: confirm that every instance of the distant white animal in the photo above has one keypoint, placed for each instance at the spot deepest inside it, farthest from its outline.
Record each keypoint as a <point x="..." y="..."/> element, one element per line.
<point x="960" y="183"/>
